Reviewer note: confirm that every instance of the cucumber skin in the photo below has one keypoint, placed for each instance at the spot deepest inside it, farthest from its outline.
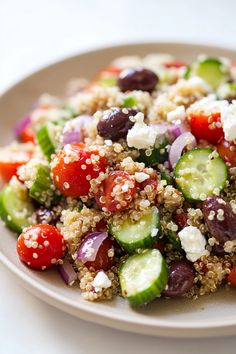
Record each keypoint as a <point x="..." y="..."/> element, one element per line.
<point x="156" y="157"/>
<point x="174" y="240"/>
<point x="46" y="145"/>
<point x="186" y="195"/>
<point x="4" y="215"/>
<point x="154" y="291"/>
<point x="41" y="184"/>
<point x="147" y="242"/>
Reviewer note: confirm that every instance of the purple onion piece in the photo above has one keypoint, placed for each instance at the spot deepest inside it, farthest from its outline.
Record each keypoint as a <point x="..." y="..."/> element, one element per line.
<point x="178" y="146"/>
<point x="21" y="125"/>
<point x="89" y="246"/>
<point x="73" y="130"/>
<point x="67" y="272"/>
<point x="176" y="129"/>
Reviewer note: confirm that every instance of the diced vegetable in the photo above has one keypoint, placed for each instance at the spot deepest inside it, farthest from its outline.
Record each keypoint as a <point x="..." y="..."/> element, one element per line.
<point x="143" y="277"/>
<point x="156" y="154"/>
<point x="42" y="188"/>
<point x="142" y="234"/>
<point x="174" y="240"/>
<point x="129" y="101"/>
<point x="46" y="139"/>
<point x="200" y="173"/>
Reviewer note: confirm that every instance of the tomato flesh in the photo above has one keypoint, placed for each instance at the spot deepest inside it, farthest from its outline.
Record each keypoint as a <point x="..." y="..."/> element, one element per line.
<point x="175" y="64"/>
<point x="181" y="220"/>
<point x="206" y="127"/>
<point x="27" y="135"/>
<point x="232" y="276"/>
<point x="227" y="151"/>
<point x="104" y="260"/>
<point x="40" y="246"/>
<point x="10" y="162"/>
<point x="116" y="191"/>
<point x="75" y="165"/>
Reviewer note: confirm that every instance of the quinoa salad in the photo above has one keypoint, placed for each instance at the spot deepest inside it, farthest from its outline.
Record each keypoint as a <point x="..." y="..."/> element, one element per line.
<point x="127" y="184"/>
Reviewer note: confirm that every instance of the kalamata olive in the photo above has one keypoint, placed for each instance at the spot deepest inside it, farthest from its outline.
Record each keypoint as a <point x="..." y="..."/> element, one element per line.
<point x="220" y="219"/>
<point x="44" y="215"/>
<point x="115" y="123"/>
<point x="96" y="250"/>
<point x="218" y="250"/>
<point x="181" y="279"/>
<point x="137" y="79"/>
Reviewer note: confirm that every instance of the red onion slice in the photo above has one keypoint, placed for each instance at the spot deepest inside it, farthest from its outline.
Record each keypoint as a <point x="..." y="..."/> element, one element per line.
<point x="176" y="129"/>
<point x="67" y="272"/>
<point x="178" y="146"/>
<point x="89" y="246"/>
<point x="21" y="125"/>
<point x="73" y="130"/>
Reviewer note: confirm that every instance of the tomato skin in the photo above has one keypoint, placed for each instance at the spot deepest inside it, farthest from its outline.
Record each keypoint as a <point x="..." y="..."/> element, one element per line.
<point x="227" y="151"/>
<point x="203" y="127"/>
<point x="149" y="182"/>
<point x="71" y="169"/>
<point x="117" y="184"/>
<point x="27" y="135"/>
<point x="40" y="246"/>
<point x="8" y="169"/>
<point x="181" y="220"/>
<point x="232" y="276"/>
<point x="102" y="260"/>
<point x="175" y="64"/>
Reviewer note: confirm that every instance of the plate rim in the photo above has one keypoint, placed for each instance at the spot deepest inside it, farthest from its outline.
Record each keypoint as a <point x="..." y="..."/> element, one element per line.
<point x="206" y="329"/>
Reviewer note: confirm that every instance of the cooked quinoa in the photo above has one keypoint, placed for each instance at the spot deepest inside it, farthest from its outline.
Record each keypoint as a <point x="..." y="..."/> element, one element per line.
<point x="128" y="184"/>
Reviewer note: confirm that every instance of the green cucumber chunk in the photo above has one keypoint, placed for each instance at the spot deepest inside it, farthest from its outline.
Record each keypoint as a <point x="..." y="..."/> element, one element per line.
<point x="143" y="277"/>
<point x="42" y="188"/>
<point x="46" y="139"/>
<point x="156" y="154"/>
<point x="173" y="238"/>
<point x="129" y="101"/>
<point x="142" y="234"/>
<point x="212" y="71"/>
<point x="200" y="173"/>
<point x="15" y="209"/>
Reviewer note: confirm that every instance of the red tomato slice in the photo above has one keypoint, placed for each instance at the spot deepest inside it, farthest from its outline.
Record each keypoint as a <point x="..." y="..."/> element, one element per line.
<point x="10" y="161"/>
<point x="227" y="151"/>
<point x="232" y="276"/>
<point x="175" y="64"/>
<point x="116" y="192"/>
<point x="206" y="127"/>
<point x="74" y="167"/>
<point x="40" y="246"/>
<point x="27" y="135"/>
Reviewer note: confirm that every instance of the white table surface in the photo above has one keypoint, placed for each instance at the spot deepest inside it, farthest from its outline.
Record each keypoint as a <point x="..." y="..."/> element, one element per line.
<point x="34" y="33"/>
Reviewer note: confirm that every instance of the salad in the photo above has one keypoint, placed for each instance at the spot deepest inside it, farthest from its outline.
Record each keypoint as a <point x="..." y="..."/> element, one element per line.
<point x="127" y="185"/>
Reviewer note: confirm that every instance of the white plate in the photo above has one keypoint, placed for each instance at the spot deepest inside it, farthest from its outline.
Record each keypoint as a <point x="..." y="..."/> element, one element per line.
<point x="210" y="316"/>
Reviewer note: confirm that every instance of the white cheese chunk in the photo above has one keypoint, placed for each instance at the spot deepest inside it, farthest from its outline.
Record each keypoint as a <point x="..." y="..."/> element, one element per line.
<point x="101" y="281"/>
<point x="141" y="136"/>
<point x="177" y="114"/>
<point x="193" y="243"/>
<point x="228" y="120"/>
<point x="141" y="176"/>
<point x="208" y="105"/>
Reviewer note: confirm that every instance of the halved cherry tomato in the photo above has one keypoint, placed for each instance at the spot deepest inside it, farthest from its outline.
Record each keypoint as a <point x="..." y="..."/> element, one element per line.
<point x="73" y="168"/>
<point x="10" y="161"/>
<point x="227" y="151"/>
<point x="40" y="246"/>
<point x="175" y="64"/>
<point x="27" y="135"/>
<point x="116" y="191"/>
<point x="206" y="127"/>
<point x="101" y="225"/>
<point x="232" y="276"/>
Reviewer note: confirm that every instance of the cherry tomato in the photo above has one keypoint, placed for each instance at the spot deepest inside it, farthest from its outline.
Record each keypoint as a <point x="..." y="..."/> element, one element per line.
<point x="73" y="168"/>
<point x="149" y="182"/>
<point x="227" y="151"/>
<point x="232" y="276"/>
<point x="40" y="246"/>
<point x="101" y="225"/>
<point x="27" y="135"/>
<point x="206" y="127"/>
<point x="175" y="64"/>
<point x="181" y="220"/>
<point x="116" y="192"/>
<point x="10" y="161"/>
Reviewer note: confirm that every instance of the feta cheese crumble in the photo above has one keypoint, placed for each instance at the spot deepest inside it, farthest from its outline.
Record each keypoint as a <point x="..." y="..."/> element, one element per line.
<point x="228" y="119"/>
<point x="101" y="281"/>
<point x="177" y="114"/>
<point x="208" y="105"/>
<point x="141" y="136"/>
<point x="193" y="243"/>
<point x="141" y="176"/>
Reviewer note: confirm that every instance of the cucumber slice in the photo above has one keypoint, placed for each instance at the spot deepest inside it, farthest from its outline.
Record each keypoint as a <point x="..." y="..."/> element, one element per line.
<point x="173" y="238"/>
<point x="129" y="102"/>
<point x="42" y="188"/>
<point x="200" y="173"/>
<point x="212" y="70"/>
<point x="143" y="277"/>
<point x="15" y="210"/>
<point x="155" y="155"/>
<point x="46" y="139"/>
<point x="142" y="234"/>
